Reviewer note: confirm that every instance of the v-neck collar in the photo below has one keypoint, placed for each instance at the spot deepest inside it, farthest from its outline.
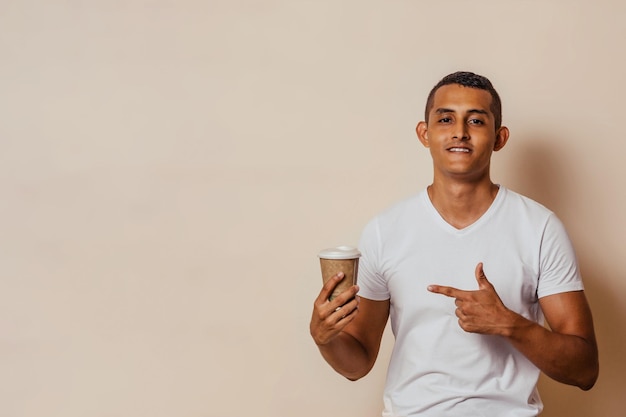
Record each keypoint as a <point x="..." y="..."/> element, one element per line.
<point x="497" y="201"/>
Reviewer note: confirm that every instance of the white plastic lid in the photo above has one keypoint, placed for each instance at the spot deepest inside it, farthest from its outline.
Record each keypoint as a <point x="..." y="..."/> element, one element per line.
<point x="340" y="252"/>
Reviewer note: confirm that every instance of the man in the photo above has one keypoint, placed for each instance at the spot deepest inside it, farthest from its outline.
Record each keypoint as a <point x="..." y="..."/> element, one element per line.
<point x="467" y="270"/>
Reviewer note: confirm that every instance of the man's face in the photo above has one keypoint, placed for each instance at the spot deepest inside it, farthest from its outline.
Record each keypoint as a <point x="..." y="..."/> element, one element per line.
<point x="461" y="133"/>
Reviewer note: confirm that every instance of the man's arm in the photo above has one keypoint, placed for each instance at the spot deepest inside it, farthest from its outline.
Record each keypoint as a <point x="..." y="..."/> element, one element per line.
<point x="567" y="352"/>
<point x="348" y="330"/>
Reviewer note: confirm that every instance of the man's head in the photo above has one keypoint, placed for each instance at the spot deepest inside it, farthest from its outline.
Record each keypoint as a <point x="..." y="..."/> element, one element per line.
<point x="468" y="79"/>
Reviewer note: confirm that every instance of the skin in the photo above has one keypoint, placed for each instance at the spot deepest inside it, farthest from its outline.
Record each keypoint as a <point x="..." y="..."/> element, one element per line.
<point x="461" y="137"/>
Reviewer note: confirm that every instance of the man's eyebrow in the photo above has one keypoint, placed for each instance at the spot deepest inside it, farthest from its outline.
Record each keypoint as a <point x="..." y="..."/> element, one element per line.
<point x="479" y="111"/>
<point x="443" y="110"/>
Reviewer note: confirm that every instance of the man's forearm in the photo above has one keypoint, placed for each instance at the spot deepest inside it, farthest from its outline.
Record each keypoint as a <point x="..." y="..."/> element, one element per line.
<point x="347" y="356"/>
<point x="569" y="359"/>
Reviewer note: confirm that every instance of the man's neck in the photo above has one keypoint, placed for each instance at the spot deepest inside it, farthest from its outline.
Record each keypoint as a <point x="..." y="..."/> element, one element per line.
<point x="462" y="203"/>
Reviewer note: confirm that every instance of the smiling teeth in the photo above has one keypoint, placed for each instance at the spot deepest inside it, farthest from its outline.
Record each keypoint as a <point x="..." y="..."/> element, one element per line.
<point x="459" y="150"/>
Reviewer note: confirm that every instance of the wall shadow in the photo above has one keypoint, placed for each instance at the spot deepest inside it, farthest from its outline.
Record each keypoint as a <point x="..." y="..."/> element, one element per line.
<point x="539" y="168"/>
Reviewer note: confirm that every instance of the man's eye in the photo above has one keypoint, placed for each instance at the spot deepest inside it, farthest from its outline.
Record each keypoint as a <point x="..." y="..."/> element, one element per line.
<point x="476" y="122"/>
<point x="445" y="120"/>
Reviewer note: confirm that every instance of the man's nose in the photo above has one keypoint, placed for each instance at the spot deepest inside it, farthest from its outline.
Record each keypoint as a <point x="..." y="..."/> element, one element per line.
<point x="460" y="131"/>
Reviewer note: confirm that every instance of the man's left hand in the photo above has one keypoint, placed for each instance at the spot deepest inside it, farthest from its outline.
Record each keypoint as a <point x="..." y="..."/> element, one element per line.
<point x="480" y="311"/>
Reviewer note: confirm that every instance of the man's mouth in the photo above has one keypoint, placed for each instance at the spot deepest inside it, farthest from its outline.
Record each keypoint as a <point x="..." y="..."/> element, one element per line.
<point x="459" y="150"/>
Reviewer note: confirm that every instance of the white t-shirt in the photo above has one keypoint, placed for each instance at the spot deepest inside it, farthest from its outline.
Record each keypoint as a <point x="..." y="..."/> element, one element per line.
<point x="436" y="368"/>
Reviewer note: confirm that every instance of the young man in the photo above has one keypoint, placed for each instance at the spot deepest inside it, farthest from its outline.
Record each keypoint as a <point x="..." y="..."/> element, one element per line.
<point x="467" y="270"/>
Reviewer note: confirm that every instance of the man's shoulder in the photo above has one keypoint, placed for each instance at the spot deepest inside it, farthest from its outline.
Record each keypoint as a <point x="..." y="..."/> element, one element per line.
<point x="399" y="214"/>
<point x="525" y="209"/>
<point x="513" y="197"/>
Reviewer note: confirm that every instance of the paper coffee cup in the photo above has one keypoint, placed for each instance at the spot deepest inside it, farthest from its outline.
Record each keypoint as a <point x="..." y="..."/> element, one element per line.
<point x="340" y="259"/>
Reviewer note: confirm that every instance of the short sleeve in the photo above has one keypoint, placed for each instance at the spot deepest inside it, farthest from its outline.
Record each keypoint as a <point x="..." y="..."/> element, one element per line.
<point x="372" y="284"/>
<point x="559" y="270"/>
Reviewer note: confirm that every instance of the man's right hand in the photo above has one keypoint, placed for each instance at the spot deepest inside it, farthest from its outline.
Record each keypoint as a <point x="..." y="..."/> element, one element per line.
<point x="330" y="317"/>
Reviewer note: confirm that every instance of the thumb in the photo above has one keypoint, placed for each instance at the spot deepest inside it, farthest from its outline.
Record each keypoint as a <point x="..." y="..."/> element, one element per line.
<point x="481" y="278"/>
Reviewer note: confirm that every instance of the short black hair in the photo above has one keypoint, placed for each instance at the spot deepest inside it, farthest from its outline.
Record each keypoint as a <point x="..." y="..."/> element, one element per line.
<point x="468" y="79"/>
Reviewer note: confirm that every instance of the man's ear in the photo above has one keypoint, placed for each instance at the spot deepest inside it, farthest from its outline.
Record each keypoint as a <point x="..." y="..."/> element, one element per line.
<point x="502" y="136"/>
<point x="422" y="133"/>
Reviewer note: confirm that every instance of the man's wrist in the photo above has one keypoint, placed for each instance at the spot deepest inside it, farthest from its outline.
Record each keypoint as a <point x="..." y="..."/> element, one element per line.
<point x="517" y="325"/>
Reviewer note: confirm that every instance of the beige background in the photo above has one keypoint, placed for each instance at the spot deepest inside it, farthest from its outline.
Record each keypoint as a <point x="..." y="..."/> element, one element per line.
<point x="170" y="169"/>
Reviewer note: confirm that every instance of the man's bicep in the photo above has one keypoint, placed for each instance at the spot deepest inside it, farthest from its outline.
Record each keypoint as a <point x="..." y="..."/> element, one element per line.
<point x="568" y="313"/>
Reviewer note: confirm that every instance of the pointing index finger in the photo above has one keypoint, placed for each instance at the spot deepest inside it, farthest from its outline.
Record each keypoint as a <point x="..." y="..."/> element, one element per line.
<point x="447" y="291"/>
